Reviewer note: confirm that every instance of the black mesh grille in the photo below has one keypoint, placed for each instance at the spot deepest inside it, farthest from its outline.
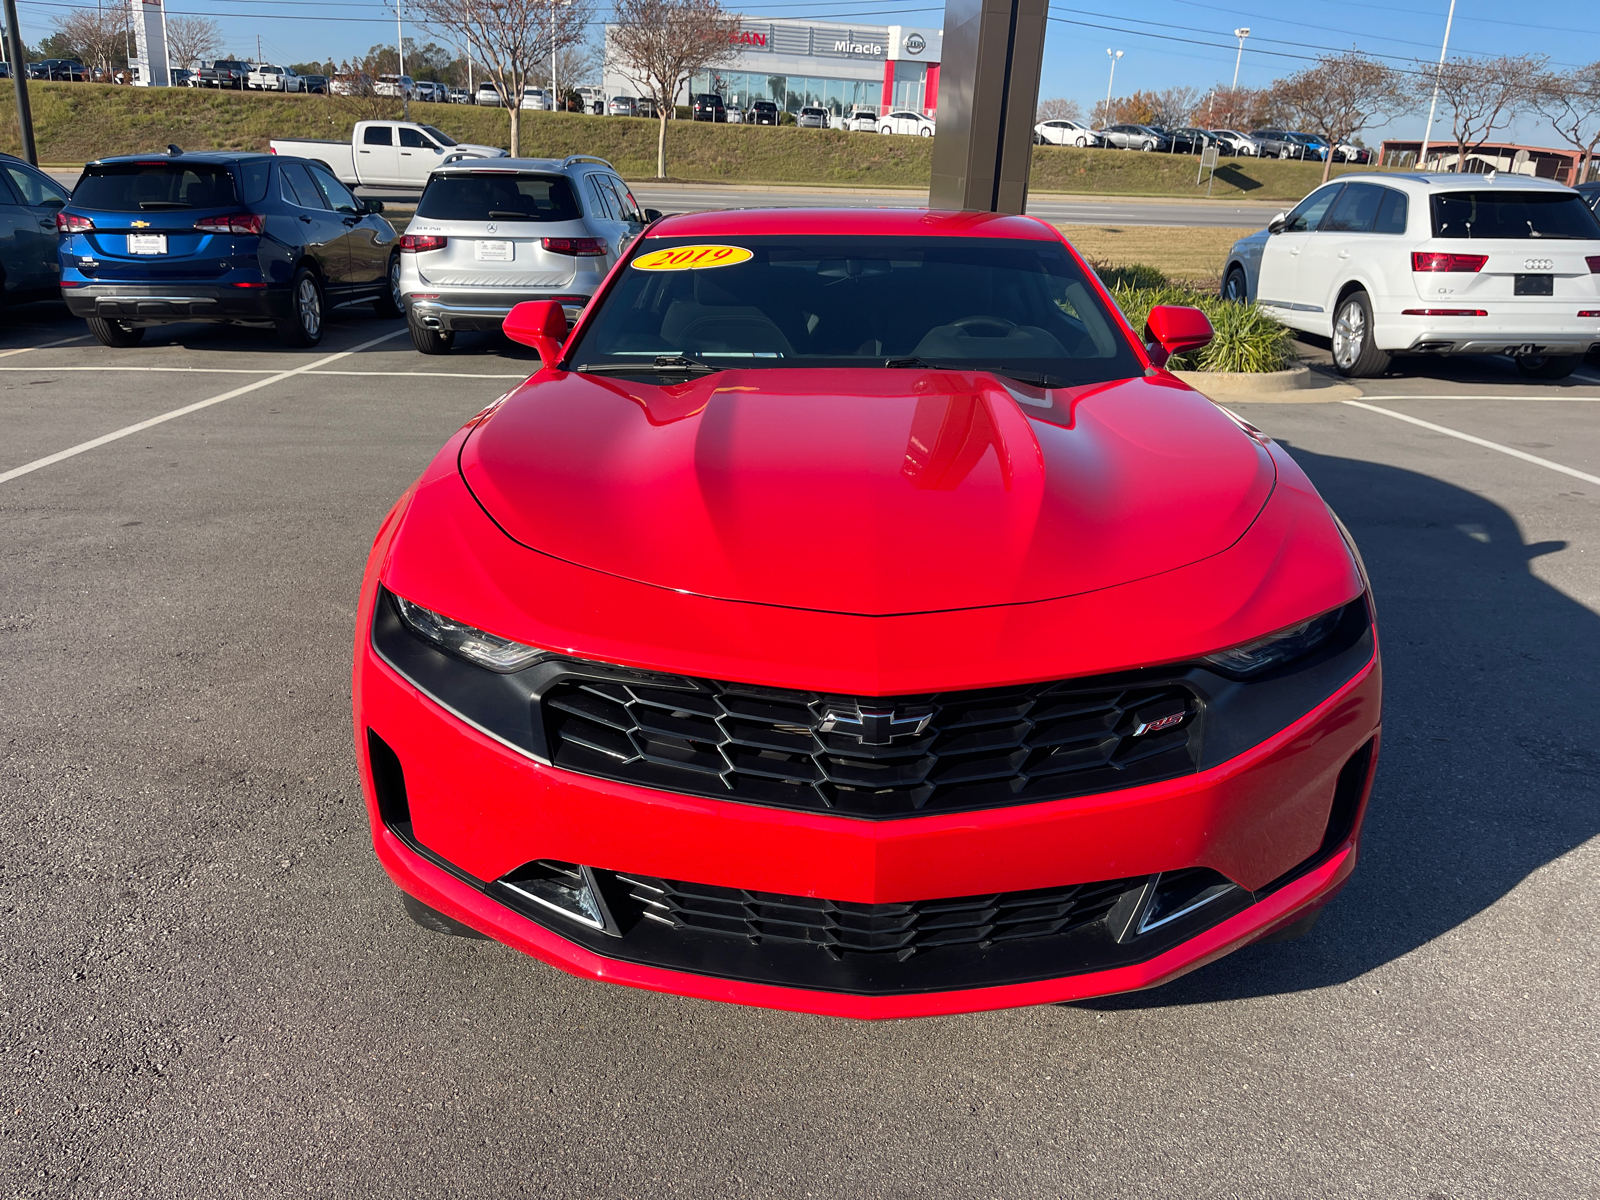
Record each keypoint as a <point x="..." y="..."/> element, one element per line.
<point x="872" y="757"/>
<point x="900" y="930"/>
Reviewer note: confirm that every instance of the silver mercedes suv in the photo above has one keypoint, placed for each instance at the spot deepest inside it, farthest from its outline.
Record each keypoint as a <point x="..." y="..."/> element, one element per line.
<point x="487" y="237"/>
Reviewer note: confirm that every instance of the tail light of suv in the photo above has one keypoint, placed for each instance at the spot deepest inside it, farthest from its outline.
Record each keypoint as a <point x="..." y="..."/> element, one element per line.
<point x="1594" y="264"/>
<point x="578" y="247"/>
<point x="72" y="223"/>
<point x="416" y="243"/>
<point x="1429" y="260"/>
<point x="240" y="222"/>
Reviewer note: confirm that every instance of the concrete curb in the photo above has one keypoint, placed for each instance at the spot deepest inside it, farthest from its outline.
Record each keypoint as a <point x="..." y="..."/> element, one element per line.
<point x="1297" y="385"/>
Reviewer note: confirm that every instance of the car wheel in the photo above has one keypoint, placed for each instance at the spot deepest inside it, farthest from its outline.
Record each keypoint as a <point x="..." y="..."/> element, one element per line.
<point x="1354" y="354"/>
<point x="1080" y="143"/>
<point x="430" y="341"/>
<point x="1236" y="290"/>
<point x="1284" y="153"/>
<point x="303" y="325"/>
<point x="115" y="333"/>
<point x="391" y="305"/>
<point x="1148" y="146"/>
<point x="886" y="129"/>
<point x="925" y="131"/>
<point x="435" y="921"/>
<point x="1548" y="366"/>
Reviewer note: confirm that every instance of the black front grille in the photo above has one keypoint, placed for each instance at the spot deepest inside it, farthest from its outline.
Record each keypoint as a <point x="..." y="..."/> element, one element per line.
<point x="866" y="757"/>
<point x="842" y="928"/>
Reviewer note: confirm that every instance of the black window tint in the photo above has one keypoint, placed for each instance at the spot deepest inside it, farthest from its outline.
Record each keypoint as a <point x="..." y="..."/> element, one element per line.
<point x="444" y="139"/>
<point x="1356" y="210"/>
<point x="1515" y="215"/>
<point x="151" y="186"/>
<point x="1022" y="307"/>
<point x="413" y="139"/>
<point x="339" y="197"/>
<point x="1308" y="214"/>
<point x="1392" y="212"/>
<point x="378" y="135"/>
<point x="253" y="174"/>
<point x="491" y="196"/>
<point x="298" y="187"/>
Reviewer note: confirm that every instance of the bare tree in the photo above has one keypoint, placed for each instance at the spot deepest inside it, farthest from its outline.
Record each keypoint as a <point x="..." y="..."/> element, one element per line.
<point x="661" y="44"/>
<point x="1571" y="103"/>
<point x="100" y="35"/>
<point x="1341" y="96"/>
<point x="511" y="40"/>
<point x="1481" y="94"/>
<point x="192" y="39"/>
<point x="1059" y="110"/>
<point x="1176" y="105"/>
<point x="1241" y="109"/>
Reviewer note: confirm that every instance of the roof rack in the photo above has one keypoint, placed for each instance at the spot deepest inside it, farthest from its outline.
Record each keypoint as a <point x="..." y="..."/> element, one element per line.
<point x="577" y="158"/>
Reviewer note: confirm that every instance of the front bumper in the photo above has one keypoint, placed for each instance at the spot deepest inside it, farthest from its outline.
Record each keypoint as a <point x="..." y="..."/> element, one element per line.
<point x="158" y="304"/>
<point x="1280" y="820"/>
<point x="478" y="311"/>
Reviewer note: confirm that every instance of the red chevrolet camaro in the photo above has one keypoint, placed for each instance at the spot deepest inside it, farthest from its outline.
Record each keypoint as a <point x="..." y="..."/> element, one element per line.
<point x="853" y="616"/>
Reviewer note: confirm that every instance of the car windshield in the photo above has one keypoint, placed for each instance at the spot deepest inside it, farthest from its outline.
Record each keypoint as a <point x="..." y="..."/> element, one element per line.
<point x="1514" y="215"/>
<point x="147" y="187"/>
<point x="1023" y="309"/>
<point x="498" y="196"/>
<point x="444" y="139"/>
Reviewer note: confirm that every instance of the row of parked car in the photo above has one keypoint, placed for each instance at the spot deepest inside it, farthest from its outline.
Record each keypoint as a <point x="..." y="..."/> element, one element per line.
<point x="1259" y="143"/>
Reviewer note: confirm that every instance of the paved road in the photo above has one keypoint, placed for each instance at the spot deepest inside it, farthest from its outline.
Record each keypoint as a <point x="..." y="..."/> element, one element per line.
<point x="207" y="986"/>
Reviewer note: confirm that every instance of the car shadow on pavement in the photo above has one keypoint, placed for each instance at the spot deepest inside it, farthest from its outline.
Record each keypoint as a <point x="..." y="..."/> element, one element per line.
<point x="1491" y="744"/>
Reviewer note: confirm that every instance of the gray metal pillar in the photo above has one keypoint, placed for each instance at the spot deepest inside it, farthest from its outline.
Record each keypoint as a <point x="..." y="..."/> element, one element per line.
<point x="988" y="92"/>
<point x="18" y="55"/>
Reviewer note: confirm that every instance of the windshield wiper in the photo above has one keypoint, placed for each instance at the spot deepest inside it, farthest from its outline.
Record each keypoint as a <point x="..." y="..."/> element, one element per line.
<point x="1034" y="378"/>
<point x="665" y="364"/>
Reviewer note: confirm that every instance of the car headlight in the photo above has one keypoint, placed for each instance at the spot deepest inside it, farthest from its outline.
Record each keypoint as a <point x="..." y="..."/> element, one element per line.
<point x="476" y="645"/>
<point x="1275" y="649"/>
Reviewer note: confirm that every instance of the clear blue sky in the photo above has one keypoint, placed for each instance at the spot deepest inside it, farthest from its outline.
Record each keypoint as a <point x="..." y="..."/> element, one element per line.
<point x="1168" y="42"/>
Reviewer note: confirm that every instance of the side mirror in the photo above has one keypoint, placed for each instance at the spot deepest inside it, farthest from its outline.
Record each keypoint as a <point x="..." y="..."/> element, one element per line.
<point x="542" y="324"/>
<point x="1177" y="329"/>
<point x="653" y="214"/>
<point x="1276" y="224"/>
<point x="374" y="206"/>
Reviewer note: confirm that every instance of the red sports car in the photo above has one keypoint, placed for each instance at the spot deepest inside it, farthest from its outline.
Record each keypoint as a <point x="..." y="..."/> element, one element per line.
<point x="853" y="616"/>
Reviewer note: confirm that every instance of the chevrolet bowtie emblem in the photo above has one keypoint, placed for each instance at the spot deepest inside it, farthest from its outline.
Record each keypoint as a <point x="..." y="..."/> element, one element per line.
<point x="141" y="224"/>
<point x="877" y="726"/>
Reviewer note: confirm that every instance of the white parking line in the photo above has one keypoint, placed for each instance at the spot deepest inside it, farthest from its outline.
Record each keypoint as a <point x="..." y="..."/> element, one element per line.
<point x="155" y="370"/>
<point x="429" y="374"/>
<point x="1544" y="397"/>
<point x="1478" y="441"/>
<point x="270" y="371"/>
<point x="81" y="447"/>
<point x="82" y="337"/>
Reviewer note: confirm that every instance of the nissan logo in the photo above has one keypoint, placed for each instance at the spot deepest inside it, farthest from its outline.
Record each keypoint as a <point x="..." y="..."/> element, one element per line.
<point x="915" y="44"/>
<point x="1539" y="264"/>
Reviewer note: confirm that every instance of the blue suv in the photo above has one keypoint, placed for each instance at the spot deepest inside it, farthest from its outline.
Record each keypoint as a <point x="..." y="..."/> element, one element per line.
<point x="246" y="238"/>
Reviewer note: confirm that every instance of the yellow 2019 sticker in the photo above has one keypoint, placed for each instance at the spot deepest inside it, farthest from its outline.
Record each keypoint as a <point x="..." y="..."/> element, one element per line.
<point x="692" y="258"/>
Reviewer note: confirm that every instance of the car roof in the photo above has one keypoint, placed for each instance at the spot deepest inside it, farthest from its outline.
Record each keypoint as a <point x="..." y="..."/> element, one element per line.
<point x="870" y="222"/>
<point x="1456" y="183"/>
<point x="204" y="156"/>
<point x="467" y="166"/>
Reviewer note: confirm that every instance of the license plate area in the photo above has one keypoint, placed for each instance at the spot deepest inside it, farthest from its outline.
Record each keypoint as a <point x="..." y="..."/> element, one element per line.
<point x="1534" y="285"/>
<point x="493" y="251"/>
<point x="147" y="243"/>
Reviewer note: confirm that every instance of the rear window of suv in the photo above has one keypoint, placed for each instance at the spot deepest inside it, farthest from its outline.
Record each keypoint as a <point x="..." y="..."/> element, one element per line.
<point x="1513" y="215"/>
<point x="498" y="196"/>
<point x="150" y="187"/>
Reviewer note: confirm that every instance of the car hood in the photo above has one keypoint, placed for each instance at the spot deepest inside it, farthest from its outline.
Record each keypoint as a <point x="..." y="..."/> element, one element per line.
<point x="472" y="150"/>
<point x="867" y="492"/>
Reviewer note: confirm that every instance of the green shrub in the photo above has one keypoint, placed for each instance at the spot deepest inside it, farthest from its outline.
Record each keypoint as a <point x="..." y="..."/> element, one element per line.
<point x="1134" y="275"/>
<point x="1245" y="338"/>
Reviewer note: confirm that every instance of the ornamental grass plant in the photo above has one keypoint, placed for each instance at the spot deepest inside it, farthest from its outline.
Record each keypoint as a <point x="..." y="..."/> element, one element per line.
<point x="1245" y="338"/>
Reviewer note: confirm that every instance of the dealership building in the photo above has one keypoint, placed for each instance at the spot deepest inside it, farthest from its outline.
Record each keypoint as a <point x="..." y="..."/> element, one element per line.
<point x="838" y="67"/>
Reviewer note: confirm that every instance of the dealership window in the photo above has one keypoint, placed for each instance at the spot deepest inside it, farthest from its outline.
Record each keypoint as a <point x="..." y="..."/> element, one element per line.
<point x="790" y="92"/>
<point x="910" y="84"/>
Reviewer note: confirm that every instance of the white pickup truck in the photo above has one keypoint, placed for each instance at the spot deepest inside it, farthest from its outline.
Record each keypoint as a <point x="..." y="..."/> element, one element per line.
<point x="269" y="77"/>
<point x="386" y="154"/>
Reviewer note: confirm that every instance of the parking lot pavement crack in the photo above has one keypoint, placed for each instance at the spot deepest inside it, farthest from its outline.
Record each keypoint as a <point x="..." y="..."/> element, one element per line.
<point x="1465" y="437"/>
<point x="114" y="435"/>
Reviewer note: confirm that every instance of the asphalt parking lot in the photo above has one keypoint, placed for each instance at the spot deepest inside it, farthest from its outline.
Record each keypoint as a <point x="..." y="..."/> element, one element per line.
<point x="208" y="988"/>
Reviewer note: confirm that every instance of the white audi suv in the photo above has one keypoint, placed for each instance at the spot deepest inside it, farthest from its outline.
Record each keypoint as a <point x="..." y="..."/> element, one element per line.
<point x="1431" y="264"/>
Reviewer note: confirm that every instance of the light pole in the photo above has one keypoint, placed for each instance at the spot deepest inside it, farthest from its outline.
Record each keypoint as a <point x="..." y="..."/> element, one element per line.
<point x="1427" y="130"/>
<point x="1114" y="55"/>
<point x="1241" y="34"/>
<point x="400" y="52"/>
